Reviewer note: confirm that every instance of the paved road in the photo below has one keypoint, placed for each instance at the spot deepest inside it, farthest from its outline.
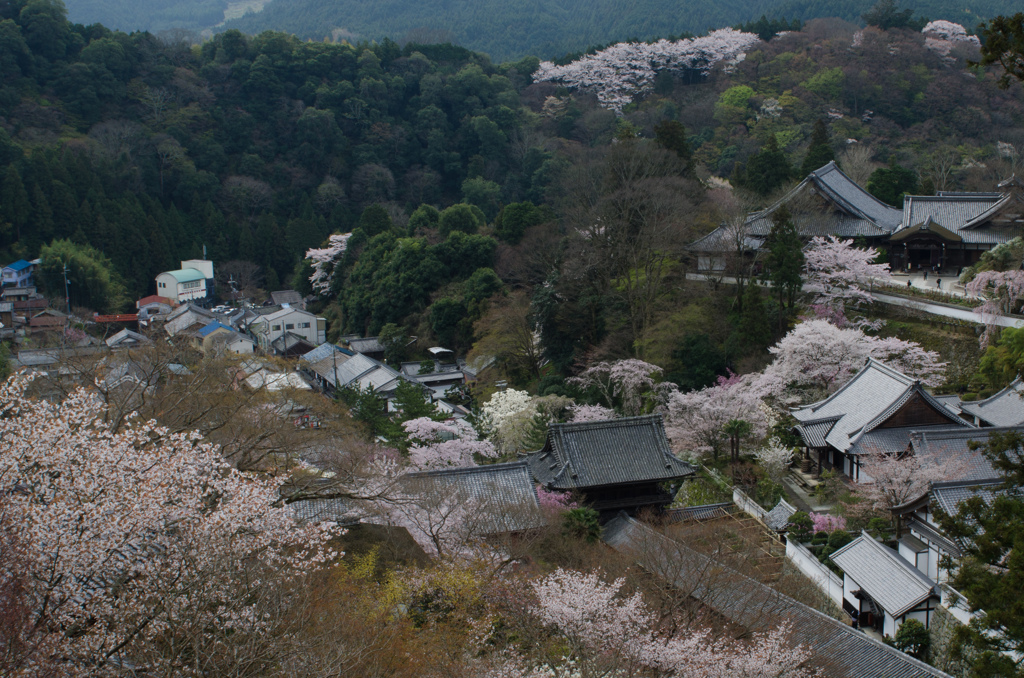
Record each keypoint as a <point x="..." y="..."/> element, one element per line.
<point x="925" y="306"/>
<point x="947" y="311"/>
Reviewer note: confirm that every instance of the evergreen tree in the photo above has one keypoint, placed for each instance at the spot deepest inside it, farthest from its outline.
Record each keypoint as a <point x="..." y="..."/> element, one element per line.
<point x="671" y="135"/>
<point x="820" y="151"/>
<point x="785" y="262"/>
<point x="755" y="327"/>
<point x="890" y="184"/>
<point x="767" y="169"/>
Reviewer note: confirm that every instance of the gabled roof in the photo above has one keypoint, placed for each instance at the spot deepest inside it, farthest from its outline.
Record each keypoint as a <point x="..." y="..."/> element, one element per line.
<point x="126" y="337"/>
<point x="942" y="444"/>
<point x="843" y="651"/>
<point x="286" y="297"/>
<point x="324" y="351"/>
<point x="213" y="327"/>
<point x="892" y="582"/>
<point x="184" y="275"/>
<point x="19" y="265"/>
<point x="367" y="345"/>
<point x="290" y="340"/>
<point x="778" y="518"/>
<point x="153" y="299"/>
<point x="503" y="496"/>
<point x="865" y="403"/>
<point x="614" y="452"/>
<point x="953" y="217"/>
<point x="948" y="496"/>
<point x="1005" y="408"/>
<point x="281" y="313"/>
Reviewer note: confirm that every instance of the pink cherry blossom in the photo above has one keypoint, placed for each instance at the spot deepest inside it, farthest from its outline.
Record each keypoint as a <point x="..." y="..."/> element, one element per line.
<point x="624" y="381"/>
<point x="839" y="274"/>
<point x="324" y="260"/>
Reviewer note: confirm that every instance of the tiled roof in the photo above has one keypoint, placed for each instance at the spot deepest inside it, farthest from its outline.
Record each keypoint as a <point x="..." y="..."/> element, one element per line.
<point x="944" y="444"/>
<point x="815" y="431"/>
<point x="286" y="297"/>
<point x="722" y="239"/>
<point x="1005" y="408"/>
<point x="949" y="496"/>
<point x="892" y="582"/>
<point x="778" y="518"/>
<point x="962" y="214"/>
<point x="884" y="441"/>
<point x="126" y="336"/>
<point x="367" y="345"/>
<point x="320" y="510"/>
<point x="614" y="452"/>
<point x="324" y="351"/>
<point x="840" y="650"/>
<point x="502" y="496"/>
<point x="863" y="403"/>
<point x="950" y="402"/>
<point x="705" y="512"/>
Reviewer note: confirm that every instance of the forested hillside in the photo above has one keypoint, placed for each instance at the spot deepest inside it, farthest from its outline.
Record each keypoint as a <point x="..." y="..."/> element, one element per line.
<point x="460" y="180"/>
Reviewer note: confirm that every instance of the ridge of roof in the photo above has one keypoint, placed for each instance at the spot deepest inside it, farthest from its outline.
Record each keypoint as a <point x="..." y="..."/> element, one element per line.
<point x="998" y="205"/>
<point x="915" y="388"/>
<point x="468" y="470"/>
<point x="871" y="363"/>
<point x="894" y="559"/>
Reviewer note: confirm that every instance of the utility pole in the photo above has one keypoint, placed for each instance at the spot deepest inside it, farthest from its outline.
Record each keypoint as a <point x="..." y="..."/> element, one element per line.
<point x="67" y="297"/>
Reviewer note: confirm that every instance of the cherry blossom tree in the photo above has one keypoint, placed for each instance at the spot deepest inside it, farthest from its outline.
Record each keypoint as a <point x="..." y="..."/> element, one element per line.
<point x="838" y="274"/>
<point x="609" y="633"/>
<point x="697" y="420"/>
<point x="627" y="382"/>
<point x="440" y="444"/>
<point x="942" y="36"/>
<point x="1003" y="293"/>
<point x="775" y="458"/>
<point x="890" y="480"/>
<point x="624" y="70"/>
<point x="826" y="522"/>
<point x="819" y="356"/>
<point x="324" y="261"/>
<point x="140" y="547"/>
<point x="582" y="413"/>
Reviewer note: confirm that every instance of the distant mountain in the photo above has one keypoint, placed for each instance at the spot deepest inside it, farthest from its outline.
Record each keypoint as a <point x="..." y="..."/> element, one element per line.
<point x="504" y="30"/>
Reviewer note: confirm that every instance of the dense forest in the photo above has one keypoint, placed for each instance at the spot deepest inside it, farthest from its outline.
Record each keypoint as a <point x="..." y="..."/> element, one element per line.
<point x="479" y="201"/>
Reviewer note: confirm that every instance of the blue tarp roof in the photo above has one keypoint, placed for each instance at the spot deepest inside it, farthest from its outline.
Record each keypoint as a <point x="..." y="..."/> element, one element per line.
<point x="19" y="265"/>
<point x="212" y="327"/>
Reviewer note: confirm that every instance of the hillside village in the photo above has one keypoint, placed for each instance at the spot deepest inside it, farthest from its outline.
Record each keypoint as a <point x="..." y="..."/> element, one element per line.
<point x="667" y="359"/>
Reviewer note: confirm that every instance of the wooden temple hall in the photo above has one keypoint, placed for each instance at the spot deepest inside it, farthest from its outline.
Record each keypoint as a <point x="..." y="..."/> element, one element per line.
<point x="946" y="232"/>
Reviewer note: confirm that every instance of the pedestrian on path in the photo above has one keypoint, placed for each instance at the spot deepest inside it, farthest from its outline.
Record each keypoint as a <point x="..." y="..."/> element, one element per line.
<point x="938" y="283"/>
<point x="926" y="274"/>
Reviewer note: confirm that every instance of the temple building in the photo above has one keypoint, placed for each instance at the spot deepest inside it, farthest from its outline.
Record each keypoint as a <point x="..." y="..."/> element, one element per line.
<point x="946" y="232"/>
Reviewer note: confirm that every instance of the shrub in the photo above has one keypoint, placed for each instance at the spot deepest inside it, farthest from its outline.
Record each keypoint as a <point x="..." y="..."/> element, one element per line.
<point x="581" y="523"/>
<point x="912" y="638"/>
<point x="800" y="526"/>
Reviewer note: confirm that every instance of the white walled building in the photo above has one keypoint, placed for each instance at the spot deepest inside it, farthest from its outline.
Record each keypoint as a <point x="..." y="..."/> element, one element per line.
<point x="268" y="328"/>
<point x="194" y="280"/>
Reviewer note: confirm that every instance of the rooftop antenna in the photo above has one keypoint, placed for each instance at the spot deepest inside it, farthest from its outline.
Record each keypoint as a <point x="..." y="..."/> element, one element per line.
<point x="204" y="252"/>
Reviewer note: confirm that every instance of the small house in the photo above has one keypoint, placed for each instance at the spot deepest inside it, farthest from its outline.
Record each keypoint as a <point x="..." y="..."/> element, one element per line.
<point x="18" y="274"/>
<point x="192" y="282"/>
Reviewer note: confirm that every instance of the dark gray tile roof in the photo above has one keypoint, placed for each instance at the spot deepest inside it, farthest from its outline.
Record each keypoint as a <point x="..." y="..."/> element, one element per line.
<point x="942" y="444"/>
<point x="888" y="440"/>
<point x="839" y="650"/>
<point x="722" y="239"/>
<point x="864" y="403"/>
<point x="705" y="512"/>
<point x="320" y="510"/>
<point x="1005" y="408"/>
<point x="892" y="582"/>
<point x="615" y="452"/>
<point x="778" y="518"/>
<point x="948" y="496"/>
<point x="965" y="214"/>
<point x="324" y="351"/>
<point x="367" y="345"/>
<point x="503" y="496"/>
<point x="286" y="297"/>
<point x="814" y="432"/>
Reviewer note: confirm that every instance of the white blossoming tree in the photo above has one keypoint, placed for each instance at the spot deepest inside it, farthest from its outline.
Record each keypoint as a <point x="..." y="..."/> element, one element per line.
<point x="324" y="261"/>
<point x="139" y="547"/>
<point x="440" y="444"/>
<point x="624" y="70"/>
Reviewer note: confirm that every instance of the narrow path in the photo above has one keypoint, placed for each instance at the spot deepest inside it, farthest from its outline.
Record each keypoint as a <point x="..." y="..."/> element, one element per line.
<point x="922" y="305"/>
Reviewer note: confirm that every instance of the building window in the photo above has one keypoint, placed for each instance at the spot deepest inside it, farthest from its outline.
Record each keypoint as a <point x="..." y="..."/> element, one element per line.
<point x="275" y="327"/>
<point x="304" y="325"/>
<point x="190" y="285"/>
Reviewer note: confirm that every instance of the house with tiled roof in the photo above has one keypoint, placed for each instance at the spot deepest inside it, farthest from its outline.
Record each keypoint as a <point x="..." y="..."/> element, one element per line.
<point x="883" y="587"/>
<point x="921" y="539"/>
<point x="1005" y="408"/>
<point x="267" y="329"/>
<point x="826" y="202"/>
<point x="216" y="338"/>
<point x="502" y="497"/>
<point x="875" y="411"/>
<point x="618" y="464"/>
<point x="837" y="649"/>
<point x="948" y="231"/>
